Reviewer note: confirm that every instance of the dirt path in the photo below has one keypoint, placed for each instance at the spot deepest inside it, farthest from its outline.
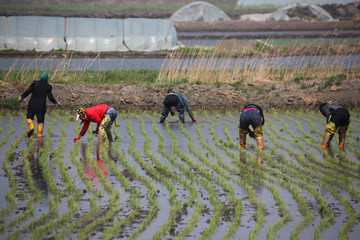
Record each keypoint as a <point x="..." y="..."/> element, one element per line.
<point x="270" y="95"/>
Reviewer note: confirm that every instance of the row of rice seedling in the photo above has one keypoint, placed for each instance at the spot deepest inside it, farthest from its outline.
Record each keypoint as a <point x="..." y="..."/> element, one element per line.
<point x="166" y="176"/>
<point x="274" y="141"/>
<point x="256" y="175"/>
<point x="323" y="178"/>
<point x="240" y="170"/>
<point x="10" y="196"/>
<point x="208" y="180"/>
<point x="220" y="179"/>
<point x="178" y="205"/>
<point x="71" y="190"/>
<point x="193" y="200"/>
<point x="152" y="199"/>
<point x="290" y="169"/>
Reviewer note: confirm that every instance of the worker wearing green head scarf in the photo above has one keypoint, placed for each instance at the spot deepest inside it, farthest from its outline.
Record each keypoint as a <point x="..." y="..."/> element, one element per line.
<point x="40" y="90"/>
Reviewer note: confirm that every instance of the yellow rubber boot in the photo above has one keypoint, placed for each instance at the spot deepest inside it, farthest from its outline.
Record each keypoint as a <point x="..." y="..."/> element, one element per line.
<point x="31" y="127"/>
<point x="40" y="129"/>
<point x="260" y="143"/>
<point x="342" y="142"/>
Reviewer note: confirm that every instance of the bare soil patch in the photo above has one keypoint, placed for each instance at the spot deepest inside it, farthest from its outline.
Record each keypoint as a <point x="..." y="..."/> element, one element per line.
<point x="270" y="95"/>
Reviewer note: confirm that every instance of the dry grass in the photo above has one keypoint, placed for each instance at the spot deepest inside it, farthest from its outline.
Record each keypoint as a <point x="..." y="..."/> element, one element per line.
<point x="208" y="67"/>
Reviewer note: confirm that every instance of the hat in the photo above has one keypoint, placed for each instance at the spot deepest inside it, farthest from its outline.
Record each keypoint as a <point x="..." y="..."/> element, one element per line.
<point x="80" y="112"/>
<point x="44" y="76"/>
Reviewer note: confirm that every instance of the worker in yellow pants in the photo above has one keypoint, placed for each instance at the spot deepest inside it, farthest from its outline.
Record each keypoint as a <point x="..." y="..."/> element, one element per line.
<point x="337" y="118"/>
<point x="251" y="115"/>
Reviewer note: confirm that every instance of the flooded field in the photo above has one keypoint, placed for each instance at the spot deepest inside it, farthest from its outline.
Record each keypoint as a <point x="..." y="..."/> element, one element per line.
<point x="178" y="181"/>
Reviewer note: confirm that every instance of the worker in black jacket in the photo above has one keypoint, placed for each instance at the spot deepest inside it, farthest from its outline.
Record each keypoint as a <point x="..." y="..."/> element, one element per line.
<point x="336" y="117"/>
<point x="251" y="115"/>
<point x="37" y="105"/>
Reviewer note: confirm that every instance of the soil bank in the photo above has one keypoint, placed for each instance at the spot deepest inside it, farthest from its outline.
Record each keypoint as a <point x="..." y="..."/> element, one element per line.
<point x="269" y="95"/>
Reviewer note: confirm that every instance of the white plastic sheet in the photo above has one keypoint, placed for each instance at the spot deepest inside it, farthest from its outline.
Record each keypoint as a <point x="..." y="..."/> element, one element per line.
<point x="142" y="34"/>
<point x="86" y="34"/>
<point x="200" y="11"/>
<point x="29" y="33"/>
<point x="318" y="12"/>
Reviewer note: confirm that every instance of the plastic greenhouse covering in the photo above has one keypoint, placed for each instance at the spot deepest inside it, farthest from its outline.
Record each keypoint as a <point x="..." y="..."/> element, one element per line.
<point x="199" y="11"/>
<point x="318" y="12"/>
<point x="86" y="34"/>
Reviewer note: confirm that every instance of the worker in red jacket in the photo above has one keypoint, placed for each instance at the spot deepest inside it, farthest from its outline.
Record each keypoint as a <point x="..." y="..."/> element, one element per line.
<point x="102" y="115"/>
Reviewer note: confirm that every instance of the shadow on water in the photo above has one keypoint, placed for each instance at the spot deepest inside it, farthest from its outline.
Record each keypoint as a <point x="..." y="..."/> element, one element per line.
<point x="90" y="172"/>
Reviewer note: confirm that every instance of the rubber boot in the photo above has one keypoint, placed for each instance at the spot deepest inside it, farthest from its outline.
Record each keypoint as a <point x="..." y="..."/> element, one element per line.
<point x="109" y="136"/>
<point x="242" y="141"/>
<point x="40" y="129"/>
<point x="326" y="141"/>
<point x="342" y="142"/>
<point x="31" y="127"/>
<point x="260" y="143"/>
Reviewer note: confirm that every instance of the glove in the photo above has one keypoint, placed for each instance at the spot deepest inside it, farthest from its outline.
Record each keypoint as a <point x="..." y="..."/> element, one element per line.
<point x="20" y="99"/>
<point x="172" y="113"/>
<point x="194" y="120"/>
<point x="77" y="138"/>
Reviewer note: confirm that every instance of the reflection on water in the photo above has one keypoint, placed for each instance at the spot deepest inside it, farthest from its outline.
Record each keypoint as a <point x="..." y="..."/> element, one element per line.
<point x="99" y="163"/>
<point x="36" y="168"/>
<point x="243" y="156"/>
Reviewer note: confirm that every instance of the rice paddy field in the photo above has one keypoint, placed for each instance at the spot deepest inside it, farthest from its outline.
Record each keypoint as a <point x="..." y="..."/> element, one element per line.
<point x="178" y="181"/>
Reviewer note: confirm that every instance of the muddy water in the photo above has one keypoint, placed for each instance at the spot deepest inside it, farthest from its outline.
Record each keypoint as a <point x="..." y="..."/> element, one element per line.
<point x="203" y="169"/>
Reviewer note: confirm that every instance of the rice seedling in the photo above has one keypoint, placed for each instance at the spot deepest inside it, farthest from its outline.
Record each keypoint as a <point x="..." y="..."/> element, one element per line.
<point x="209" y="187"/>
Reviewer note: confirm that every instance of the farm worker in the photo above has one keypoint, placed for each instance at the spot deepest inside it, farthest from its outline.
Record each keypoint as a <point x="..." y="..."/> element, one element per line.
<point x="336" y="117"/>
<point x="176" y="100"/>
<point x="102" y="115"/>
<point x="251" y="115"/>
<point x="37" y="105"/>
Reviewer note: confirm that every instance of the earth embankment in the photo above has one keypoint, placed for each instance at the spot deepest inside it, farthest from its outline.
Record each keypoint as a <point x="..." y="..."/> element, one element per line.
<point x="270" y="95"/>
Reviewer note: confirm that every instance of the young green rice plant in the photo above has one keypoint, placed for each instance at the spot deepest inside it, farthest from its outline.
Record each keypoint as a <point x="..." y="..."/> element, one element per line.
<point x="260" y="211"/>
<point x="70" y="185"/>
<point x="213" y="199"/>
<point x="12" y="130"/>
<point x="327" y="214"/>
<point x="153" y="203"/>
<point x="346" y="162"/>
<point x="36" y="194"/>
<point x="198" y="206"/>
<point x="340" y="166"/>
<point x="353" y="216"/>
<point x="10" y="196"/>
<point x="186" y="184"/>
<point x="43" y="155"/>
<point x="297" y="197"/>
<point x="87" y="217"/>
<point x="113" y="208"/>
<point x="53" y="225"/>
